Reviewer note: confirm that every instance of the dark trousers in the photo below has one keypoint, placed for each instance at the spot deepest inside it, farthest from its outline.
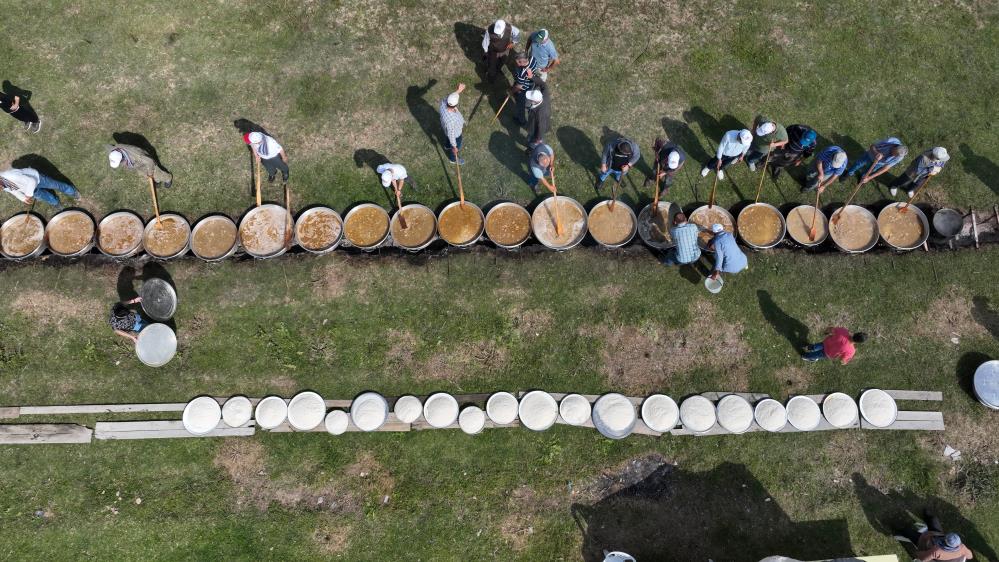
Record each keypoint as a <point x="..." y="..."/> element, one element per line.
<point x="521" y="107"/>
<point x="726" y="161"/>
<point x="494" y="63"/>
<point x="906" y="181"/>
<point x="755" y="157"/>
<point x="448" y="147"/>
<point x="932" y="522"/>
<point x="273" y="165"/>
<point x="25" y="114"/>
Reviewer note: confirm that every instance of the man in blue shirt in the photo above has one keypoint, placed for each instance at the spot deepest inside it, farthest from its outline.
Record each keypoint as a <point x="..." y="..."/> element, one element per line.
<point x="826" y="167"/>
<point x="728" y="257"/>
<point x="684" y="235"/>
<point x="543" y="51"/>
<point x="878" y="159"/>
<point x="542" y="158"/>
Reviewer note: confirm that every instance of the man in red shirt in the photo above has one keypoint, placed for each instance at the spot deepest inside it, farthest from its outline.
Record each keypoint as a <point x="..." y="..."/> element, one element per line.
<point x="837" y="345"/>
<point x="932" y="543"/>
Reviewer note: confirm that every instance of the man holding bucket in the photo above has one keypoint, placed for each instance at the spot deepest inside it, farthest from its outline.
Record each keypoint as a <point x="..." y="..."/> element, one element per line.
<point x="728" y="257"/>
<point x="137" y="160"/>
<point x="929" y="163"/>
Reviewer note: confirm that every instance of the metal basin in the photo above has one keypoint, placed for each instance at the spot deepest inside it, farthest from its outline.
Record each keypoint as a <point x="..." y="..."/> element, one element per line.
<point x="157" y="345"/>
<point x="12" y="234"/>
<point x="66" y="245"/>
<point x="853" y="217"/>
<point x="443" y="224"/>
<point x="948" y="222"/>
<point x="572" y="215"/>
<point x="166" y="220"/>
<point x="603" y="209"/>
<point x="510" y="212"/>
<point x="414" y="211"/>
<point x="799" y="221"/>
<point x="701" y="218"/>
<point x="214" y="224"/>
<point x="354" y="214"/>
<point x="159" y="300"/>
<point x="113" y="241"/>
<point x="890" y="215"/>
<point x="263" y="231"/>
<point x="319" y="217"/>
<point x="744" y="221"/>
<point x="650" y="232"/>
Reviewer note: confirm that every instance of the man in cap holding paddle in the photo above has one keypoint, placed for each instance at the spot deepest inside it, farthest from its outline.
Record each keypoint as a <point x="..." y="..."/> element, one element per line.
<point x="878" y="159"/>
<point x="541" y="160"/>
<point x="267" y="151"/>
<point x="497" y="41"/>
<point x="394" y="176"/>
<point x="669" y="160"/>
<point x="543" y="51"/>
<point x="453" y="124"/>
<point x="826" y="167"/>
<point x="135" y="159"/>
<point x="929" y="163"/>
<point x="619" y="156"/>
<point x="731" y="149"/>
<point x="770" y="135"/>
<point x="539" y="114"/>
<point x="27" y="184"/>
<point x="728" y="257"/>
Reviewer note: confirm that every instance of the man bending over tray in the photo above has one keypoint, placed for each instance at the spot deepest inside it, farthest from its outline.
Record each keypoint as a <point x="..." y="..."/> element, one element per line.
<point x="126" y="322"/>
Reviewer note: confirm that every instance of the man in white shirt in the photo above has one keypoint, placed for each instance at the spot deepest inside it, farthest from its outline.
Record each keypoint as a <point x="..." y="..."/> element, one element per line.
<point x="732" y="149"/>
<point x="267" y="151"/>
<point x="497" y="41"/>
<point x="394" y="175"/>
<point x="26" y="184"/>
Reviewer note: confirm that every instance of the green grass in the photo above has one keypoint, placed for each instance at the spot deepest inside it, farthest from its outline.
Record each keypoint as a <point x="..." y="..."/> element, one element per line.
<point x="329" y="79"/>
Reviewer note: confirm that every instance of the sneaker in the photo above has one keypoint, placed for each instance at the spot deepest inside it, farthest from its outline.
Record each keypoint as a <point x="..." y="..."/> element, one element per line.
<point x="704" y="172"/>
<point x="921" y="528"/>
<point x="901" y="538"/>
<point x="752" y="166"/>
<point x="809" y="359"/>
<point x="38" y="125"/>
<point x="721" y="174"/>
<point x="270" y="179"/>
<point x="460" y="161"/>
<point x="911" y="193"/>
<point x="893" y="191"/>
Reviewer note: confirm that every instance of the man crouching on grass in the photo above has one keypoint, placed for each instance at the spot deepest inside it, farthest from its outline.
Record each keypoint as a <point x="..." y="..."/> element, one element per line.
<point x="839" y="344"/>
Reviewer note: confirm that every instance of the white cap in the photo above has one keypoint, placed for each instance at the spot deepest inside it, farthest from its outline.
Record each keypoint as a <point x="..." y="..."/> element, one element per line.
<point x="256" y="137"/>
<point x="499" y="27"/>
<point x="765" y="129"/>
<point x="534" y="96"/>
<point x="717" y="228"/>
<point x="452" y="99"/>
<point x="114" y="158"/>
<point x="673" y="161"/>
<point x="839" y="159"/>
<point x="940" y="153"/>
<point x="387" y="178"/>
<point x="745" y="137"/>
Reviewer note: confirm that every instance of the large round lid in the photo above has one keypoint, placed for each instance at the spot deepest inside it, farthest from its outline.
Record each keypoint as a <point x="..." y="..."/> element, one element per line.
<point x="538" y="410"/>
<point x="614" y="416"/>
<point x="159" y="300"/>
<point x="156" y="345"/>
<point x="369" y="411"/>
<point x="987" y="383"/>
<point x="201" y="415"/>
<point x="440" y="410"/>
<point x="306" y="411"/>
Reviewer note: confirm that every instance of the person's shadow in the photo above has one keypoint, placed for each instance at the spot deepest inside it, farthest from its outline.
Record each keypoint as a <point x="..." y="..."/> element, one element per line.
<point x="791" y="328"/>
<point x="986" y="170"/>
<point x="25" y="96"/>
<point x="897" y="510"/>
<point x="505" y="149"/>
<point x="135" y="139"/>
<point x="429" y="119"/>
<point x="983" y="314"/>
<point x="43" y="165"/>
<point x="469" y="39"/>
<point x="372" y="159"/>
<point x="579" y="148"/>
<point x="967" y="364"/>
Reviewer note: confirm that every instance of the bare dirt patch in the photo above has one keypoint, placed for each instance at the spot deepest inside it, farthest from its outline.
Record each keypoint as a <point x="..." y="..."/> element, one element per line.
<point x="794" y="380"/>
<point x="949" y="316"/>
<point x="53" y="309"/>
<point x="402" y="349"/>
<point x="330" y="281"/>
<point x="525" y="508"/>
<point x="640" y="358"/>
<point x="974" y="436"/>
<point x="530" y="322"/>
<point x="463" y="361"/>
<point x="332" y="536"/>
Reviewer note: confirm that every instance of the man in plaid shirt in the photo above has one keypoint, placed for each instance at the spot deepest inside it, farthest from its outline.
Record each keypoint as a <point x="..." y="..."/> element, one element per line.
<point x="684" y="235"/>
<point x="453" y="124"/>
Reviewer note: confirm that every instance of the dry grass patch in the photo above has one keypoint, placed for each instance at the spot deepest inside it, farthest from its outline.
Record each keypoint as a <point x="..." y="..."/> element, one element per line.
<point x="403" y="348"/>
<point x="466" y="359"/>
<point x="949" y="316"/>
<point x="531" y="321"/>
<point x="638" y="359"/>
<point x="52" y="309"/>
<point x="794" y="379"/>
<point x="974" y="436"/>
<point x="330" y="281"/>
<point x="525" y="508"/>
<point x="332" y="536"/>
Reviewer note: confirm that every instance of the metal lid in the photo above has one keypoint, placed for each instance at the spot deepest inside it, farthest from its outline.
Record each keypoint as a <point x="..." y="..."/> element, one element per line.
<point x="159" y="300"/>
<point x="157" y="345"/>
<point x="987" y="383"/>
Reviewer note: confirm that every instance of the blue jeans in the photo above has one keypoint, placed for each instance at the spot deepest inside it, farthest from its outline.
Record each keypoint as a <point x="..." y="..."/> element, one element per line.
<point x="671" y="258"/>
<point x="815" y="352"/>
<point x="46" y="188"/>
<point x="448" y="147"/>
<point x="140" y="323"/>
<point x="617" y="174"/>
<point x="862" y="164"/>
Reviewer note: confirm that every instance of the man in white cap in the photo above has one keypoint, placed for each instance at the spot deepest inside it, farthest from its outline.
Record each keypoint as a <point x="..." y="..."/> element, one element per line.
<point x="768" y="135"/>
<point x="541" y="160"/>
<point x="543" y="51"/>
<point x="393" y="175"/>
<point x="539" y="114"/>
<point x="929" y="163"/>
<point x="267" y="151"/>
<point x="453" y="124"/>
<point x="27" y="184"/>
<point x="827" y="166"/>
<point x="497" y="41"/>
<point x="669" y="160"/>
<point x="731" y="149"/>
<point x="137" y="160"/>
<point x="620" y="155"/>
<point x="728" y="257"/>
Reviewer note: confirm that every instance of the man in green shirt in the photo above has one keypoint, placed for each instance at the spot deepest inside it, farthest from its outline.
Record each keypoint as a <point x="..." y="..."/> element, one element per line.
<point x="767" y="135"/>
<point x="136" y="160"/>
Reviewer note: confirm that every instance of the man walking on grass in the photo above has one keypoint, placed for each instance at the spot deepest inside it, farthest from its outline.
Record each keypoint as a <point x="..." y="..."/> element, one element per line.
<point x="543" y="51"/>
<point x="619" y="156"/>
<point x="929" y="163"/>
<point x="770" y="135"/>
<point x="539" y="114"/>
<point x="879" y="158"/>
<point x="541" y="161"/>
<point x="731" y="149"/>
<point x="826" y="167"/>
<point x="135" y="159"/>
<point x="669" y="160"/>
<point x="523" y="82"/>
<point x="684" y="235"/>
<point x="497" y="41"/>
<point x="453" y="124"/>
<point x="268" y="152"/>
<point x="839" y="344"/>
<point x="27" y="184"/>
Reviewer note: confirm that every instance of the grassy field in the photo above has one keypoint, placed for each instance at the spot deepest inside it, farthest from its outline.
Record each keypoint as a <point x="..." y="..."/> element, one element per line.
<point x="336" y="83"/>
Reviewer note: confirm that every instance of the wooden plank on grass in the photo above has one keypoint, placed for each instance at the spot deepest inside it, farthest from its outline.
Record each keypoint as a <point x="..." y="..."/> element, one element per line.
<point x="916" y="395"/>
<point x="37" y="433"/>
<point x="911" y="425"/>
<point x="10" y="412"/>
<point x="101" y="409"/>
<point x="163" y="429"/>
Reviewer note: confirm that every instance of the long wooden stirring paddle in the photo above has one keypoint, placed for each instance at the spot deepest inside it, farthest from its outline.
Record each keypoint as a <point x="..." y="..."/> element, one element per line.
<point x="815" y="213"/>
<point x="500" y="110"/>
<point x="558" y="221"/>
<point x="905" y="208"/>
<point x="258" y="180"/>
<point x="398" y="203"/>
<point x="836" y="217"/>
<point x="27" y="213"/>
<point x="461" y="190"/>
<point x="763" y="174"/>
<point x="711" y="199"/>
<point x="289" y="224"/>
<point x="655" y="195"/>
<point x="156" y="203"/>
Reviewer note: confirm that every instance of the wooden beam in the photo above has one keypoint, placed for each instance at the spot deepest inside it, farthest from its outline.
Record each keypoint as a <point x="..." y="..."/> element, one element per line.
<point x="35" y="433"/>
<point x="10" y="412"/>
<point x="163" y="429"/>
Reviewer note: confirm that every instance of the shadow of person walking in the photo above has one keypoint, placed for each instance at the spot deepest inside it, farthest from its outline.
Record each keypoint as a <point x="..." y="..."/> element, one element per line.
<point x="986" y="170"/>
<point x="469" y="39"/>
<point x="429" y="119"/>
<point x="136" y="139"/>
<point x="43" y="165"/>
<point x="579" y="148"/>
<point x="793" y="330"/>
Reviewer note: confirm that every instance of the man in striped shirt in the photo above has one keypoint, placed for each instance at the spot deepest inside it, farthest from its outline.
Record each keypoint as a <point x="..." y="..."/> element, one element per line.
<point x="826" y="167"/>
<point x="453" y="124"/>
<point x="928" y="164"/>
<point x="878" y="159"/>
<point x="523" y="81"/>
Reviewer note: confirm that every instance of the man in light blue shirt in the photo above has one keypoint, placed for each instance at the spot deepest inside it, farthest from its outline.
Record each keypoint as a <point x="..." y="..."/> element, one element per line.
<point x="826" y="167"/>
<point x="684" y="235"/>
<point x="878" y="159"/>
<point x="542" y="158"/>
<point x="728" y="257"/>
<point x="543" y="51"/>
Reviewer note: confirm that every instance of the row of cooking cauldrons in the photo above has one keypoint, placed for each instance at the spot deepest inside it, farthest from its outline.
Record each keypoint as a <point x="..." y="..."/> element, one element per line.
<point x="558" y="223"/>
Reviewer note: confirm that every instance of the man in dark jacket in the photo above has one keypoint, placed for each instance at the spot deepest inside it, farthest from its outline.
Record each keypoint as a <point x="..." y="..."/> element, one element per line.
<point x="619" y="156"/>
<point x="499" y="38"/>
<point x="669" y="160"/>
<point x="800" y="146"/>
<point x="539" y="114"/>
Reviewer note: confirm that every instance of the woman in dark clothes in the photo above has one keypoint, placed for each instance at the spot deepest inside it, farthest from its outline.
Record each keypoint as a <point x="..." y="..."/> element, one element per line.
<point x="16" y="104"/>
<point x="126" y="322"/>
